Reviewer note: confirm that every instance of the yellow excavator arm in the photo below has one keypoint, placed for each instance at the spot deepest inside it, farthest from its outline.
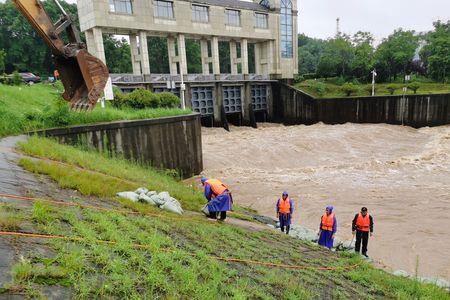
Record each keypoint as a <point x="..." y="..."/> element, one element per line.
<point x="83" y="75"/>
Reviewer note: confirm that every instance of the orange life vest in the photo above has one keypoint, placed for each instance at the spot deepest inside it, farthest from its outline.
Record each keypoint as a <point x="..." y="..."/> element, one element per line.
<point x="328" y="222"/>
<point x="284" y="206"/>
<point x="363" y="223"/>
<point x="217" y="187"/>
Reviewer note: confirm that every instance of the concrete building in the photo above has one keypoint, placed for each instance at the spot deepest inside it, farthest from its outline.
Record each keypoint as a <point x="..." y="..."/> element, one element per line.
<point x="270" y="25"/>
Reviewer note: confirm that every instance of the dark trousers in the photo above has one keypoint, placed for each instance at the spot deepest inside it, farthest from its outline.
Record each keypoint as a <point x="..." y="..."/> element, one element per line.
<point x="364" y="236"/>
<point x="214" y="215"/>
<point x="288" y="227"/>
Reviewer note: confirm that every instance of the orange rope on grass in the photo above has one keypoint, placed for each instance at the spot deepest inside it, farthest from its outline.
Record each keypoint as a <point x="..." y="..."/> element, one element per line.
<point x="74" y="204"/>
<point x="140" y="246"/>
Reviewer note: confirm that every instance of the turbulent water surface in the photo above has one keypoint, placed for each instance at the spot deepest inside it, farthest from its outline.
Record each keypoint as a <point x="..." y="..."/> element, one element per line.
<point x="401" y="174"/>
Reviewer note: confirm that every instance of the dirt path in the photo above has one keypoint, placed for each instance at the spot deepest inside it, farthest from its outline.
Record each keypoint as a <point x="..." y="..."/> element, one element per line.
<point x="401" y="174"/>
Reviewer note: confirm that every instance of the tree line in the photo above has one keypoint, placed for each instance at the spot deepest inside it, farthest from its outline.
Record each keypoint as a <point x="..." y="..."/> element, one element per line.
<point x="354" y="57"/>
<point x="349" y="57"/>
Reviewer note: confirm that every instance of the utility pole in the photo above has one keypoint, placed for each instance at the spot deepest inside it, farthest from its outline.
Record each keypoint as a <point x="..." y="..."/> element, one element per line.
<point x="374" y="74"/>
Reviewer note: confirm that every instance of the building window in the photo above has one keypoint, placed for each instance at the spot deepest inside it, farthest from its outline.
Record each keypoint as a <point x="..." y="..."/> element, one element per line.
<point x="286" y="29"/>
<point x="261" y="20"/>
<point x="200" y="13"/>
<point x="121" y="6"/>
<point x="233" y="17"/>
<point x="163" y="9"/>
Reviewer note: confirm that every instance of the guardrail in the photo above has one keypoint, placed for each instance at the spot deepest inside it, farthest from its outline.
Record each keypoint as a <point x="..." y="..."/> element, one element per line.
<point x="163" y="78"/>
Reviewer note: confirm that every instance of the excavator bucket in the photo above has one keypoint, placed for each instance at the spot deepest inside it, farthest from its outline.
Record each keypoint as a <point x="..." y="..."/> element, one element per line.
<point x="84" y="78"/>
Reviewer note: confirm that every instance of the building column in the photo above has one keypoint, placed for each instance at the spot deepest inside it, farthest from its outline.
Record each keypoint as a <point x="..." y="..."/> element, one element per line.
<point x="270" y="56"/>
<point x="215" y="55"/>
<point x="182" y="54"/>
<point x="244" y="56"/>
<point x="135" y="58"/>
<point x="94" y="42"/>
<point x="258" y="59"/>
<point x="205" y="56"/>
<point x="233" y="58"/>
<point x="143" y="47"/>
<point x="172" y="55"/>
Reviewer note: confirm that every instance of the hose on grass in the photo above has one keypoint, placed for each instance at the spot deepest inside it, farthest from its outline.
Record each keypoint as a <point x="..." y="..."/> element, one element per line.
<point x="220" y="258"/>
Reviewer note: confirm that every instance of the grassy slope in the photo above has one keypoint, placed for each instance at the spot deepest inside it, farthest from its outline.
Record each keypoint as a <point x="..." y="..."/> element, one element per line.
<point x="333" y="90"/>
<point x="177" y="263"/>
<point x="24" y="108"/>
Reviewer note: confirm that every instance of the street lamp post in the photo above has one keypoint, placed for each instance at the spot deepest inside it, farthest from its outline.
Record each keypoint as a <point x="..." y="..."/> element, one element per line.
<point x="374" y="74"/>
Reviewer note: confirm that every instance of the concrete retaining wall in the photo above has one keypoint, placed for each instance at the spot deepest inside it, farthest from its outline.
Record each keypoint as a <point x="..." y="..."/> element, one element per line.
<point x="293" y="106"/>
<point x="168" y="143"/>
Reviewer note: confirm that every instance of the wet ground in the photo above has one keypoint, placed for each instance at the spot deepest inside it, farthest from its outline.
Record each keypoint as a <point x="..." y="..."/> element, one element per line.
<point x="401" y="174"/>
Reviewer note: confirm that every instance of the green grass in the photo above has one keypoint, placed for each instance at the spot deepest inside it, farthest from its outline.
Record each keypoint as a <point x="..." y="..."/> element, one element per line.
<point x="26" y="108"/>
<point x="90" y="183"/>
<point x="332" y="90"/>
<point x="178" y="262"/>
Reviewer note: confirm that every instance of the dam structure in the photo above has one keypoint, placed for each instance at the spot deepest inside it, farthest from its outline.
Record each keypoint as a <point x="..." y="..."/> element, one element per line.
<point x="260" y="34"/>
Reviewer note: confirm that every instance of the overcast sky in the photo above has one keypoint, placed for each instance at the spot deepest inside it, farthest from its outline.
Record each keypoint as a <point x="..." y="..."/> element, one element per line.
<point x="317" y="18"/>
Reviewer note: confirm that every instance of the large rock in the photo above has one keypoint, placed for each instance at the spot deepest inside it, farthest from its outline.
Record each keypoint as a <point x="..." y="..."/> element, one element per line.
<point x="303" y="233"/>
<point x="437" y="281"/>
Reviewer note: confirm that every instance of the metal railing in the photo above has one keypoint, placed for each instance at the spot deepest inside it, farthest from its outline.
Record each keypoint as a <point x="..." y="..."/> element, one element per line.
<point x="163" y="78"/>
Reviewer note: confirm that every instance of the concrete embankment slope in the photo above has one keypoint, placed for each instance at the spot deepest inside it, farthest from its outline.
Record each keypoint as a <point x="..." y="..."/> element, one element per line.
<point x="402" y="174"/>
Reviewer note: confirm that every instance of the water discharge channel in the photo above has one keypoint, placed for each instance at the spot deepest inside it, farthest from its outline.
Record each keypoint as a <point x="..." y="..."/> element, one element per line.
<point x="401" y="174"/>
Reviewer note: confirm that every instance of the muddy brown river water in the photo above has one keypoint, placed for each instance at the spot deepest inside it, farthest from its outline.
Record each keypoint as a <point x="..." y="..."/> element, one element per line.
<point x="401" y="174"/>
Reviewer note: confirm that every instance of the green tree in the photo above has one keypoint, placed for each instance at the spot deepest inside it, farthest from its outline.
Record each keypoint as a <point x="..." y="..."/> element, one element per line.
<point x="395" y="54"/>
<point x="158" y="55"/>
<point x="224" y="57"/>
<point x="362" y="62"/>
<point x="2" y="61"/>
<point x="414" y="86"/>
<point x="349" y="89"/>
<point x="25" y="50"/>
<point x="194" y="58"/>
<point x="309" y="53"/>
<point x="336" y="58"/>
<point x="436" y="53"/>
<point x="118" y="54"/>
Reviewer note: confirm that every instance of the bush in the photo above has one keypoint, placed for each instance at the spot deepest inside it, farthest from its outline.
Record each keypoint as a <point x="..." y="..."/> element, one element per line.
<point x="340" y="81"/>
<point x="414" y="86"/>
<point x="309" y="76"/>
<point x="119" y="98"/>
<point x="355" y="81"/>
<point x="16" y="79"/>
<point x="298" y="78"/>
<point x="349" y="89"/>
<point x="318" y="87"/>
<point x="391" y="88"/>
<point x="169" y="100"/>
<point x="368" y="88"/>
<point x="141" y="98"/>
<point x="4" y="79"/>
<point x="57" y="114"/>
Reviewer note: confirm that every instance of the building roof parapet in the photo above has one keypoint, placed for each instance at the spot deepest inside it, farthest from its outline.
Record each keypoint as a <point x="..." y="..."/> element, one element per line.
<point x="233" y="4"/>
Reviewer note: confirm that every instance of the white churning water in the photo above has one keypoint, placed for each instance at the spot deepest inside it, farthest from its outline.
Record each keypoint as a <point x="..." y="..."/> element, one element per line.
<point x="401" y="174"/>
